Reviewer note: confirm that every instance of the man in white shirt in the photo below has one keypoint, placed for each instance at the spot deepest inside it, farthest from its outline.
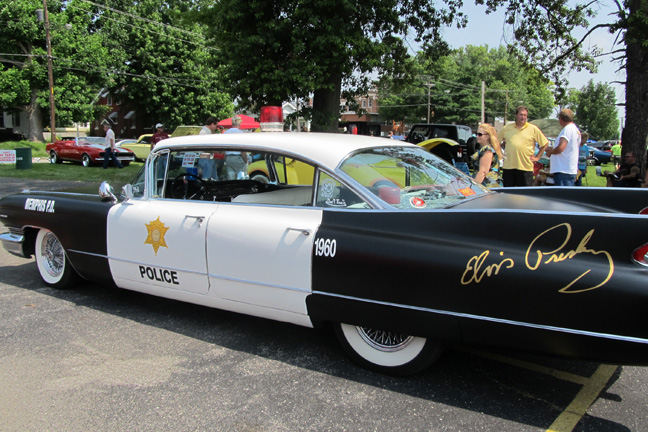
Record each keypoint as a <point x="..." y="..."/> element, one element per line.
<point x="110" y="152"/>
<point x="564" y="154"/>
<point x="236" y="162"/>
<point x="210" y="164"/>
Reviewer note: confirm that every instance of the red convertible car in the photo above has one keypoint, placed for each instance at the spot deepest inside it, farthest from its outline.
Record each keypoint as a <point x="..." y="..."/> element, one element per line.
<point x="86" y="150"/>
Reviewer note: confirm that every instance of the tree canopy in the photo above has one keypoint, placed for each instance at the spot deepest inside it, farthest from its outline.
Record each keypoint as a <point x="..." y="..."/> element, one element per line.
<point x="453" y="84"/>
<point x="595" y="110"/>
<point x="138" y="52"/>
<point x="286" y="49"/>
<point x="163" y="66"/>
<point x="24" y="84"/>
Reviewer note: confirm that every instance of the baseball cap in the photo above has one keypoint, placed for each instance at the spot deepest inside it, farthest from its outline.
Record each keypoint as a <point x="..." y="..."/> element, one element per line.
<point x="159" y="125"/>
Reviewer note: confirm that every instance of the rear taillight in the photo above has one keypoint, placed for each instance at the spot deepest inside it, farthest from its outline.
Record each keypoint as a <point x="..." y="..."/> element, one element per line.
<point x="644" y="211"/>
<point x="640" y="255"/>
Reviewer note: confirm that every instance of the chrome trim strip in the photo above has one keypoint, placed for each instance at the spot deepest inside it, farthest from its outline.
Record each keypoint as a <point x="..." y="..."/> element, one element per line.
<point x="283" y="287"/>
<point x="52" y="192"/>
<point x="490" y="319"/>
<point x="87" y="253"/>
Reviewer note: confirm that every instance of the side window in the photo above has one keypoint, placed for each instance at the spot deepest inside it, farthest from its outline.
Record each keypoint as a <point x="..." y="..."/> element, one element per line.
<point x="333" y="194"/>
<point x="233" y="176"/>
<point x="182" y="170"/>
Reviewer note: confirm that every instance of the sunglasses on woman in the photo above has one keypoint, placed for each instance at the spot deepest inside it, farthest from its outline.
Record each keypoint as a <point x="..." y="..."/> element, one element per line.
<point x="481" y="134"/>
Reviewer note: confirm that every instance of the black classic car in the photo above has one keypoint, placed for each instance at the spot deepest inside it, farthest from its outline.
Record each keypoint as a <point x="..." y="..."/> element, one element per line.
<point x="400" y="252"/>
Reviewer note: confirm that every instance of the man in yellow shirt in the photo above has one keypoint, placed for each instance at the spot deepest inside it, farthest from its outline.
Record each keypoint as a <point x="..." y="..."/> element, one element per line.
<point x="519" y="140"/>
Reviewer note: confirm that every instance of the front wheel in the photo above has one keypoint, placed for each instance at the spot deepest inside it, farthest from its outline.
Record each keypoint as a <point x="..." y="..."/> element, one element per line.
<point x="53" y="265"/>
<point x="85" y="160"/>
<point x="387" y="352"/>
<point x="54" y="158"/>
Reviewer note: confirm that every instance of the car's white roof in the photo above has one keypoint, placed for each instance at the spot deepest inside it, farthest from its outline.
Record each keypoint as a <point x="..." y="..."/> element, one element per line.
<point x="327" y="149"/>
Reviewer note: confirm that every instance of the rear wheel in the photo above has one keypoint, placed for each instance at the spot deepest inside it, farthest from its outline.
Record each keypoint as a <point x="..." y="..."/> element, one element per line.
<point x="85" y="160"/>
<point x="53" y="265"/>
<point x="387" y="352"/>
<point x="443" y="152"/>
<point x="260" y="177"/>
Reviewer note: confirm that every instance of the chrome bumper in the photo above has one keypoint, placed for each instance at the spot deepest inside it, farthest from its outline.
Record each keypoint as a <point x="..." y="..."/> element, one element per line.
<point x="13" y="243"/>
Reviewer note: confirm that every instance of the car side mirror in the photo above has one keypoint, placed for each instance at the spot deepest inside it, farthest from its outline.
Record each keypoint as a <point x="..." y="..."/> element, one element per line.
<point x="127" y="192"/>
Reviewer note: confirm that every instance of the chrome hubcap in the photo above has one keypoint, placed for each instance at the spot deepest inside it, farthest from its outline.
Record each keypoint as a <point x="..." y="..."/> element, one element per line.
<point x="53" y="255"/>
<point x="384" y="340"/>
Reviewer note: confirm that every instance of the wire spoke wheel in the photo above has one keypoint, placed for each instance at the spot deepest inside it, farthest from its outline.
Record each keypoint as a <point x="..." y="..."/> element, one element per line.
<point x="387" y="352"/>
<point x="53" y="255"/>
<point x="52" y="262"/>
<point x="384" y="340"/>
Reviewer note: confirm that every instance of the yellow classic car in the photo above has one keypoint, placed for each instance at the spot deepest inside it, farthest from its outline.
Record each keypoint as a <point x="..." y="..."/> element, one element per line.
<point x="141" y="148"/>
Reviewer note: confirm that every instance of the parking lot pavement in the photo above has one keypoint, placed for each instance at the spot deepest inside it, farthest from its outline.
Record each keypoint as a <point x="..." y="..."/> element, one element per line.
<point x="104" y="359"/>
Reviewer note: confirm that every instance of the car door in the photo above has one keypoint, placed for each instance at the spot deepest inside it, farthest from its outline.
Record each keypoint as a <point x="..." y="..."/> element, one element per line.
<point x="67" y="150"/>
<point x="159" y="244"/>
<point x="260" y="256"/>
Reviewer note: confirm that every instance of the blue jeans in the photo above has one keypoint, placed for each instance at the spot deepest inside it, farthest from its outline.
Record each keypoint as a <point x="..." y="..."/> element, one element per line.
<point x="579" y="182"/>
<point x="110" y="155"/>
<point x="208" y="168"/>
<point x="564" y="179"/>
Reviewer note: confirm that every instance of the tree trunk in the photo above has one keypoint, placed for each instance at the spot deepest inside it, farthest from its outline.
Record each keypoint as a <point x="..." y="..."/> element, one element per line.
<point x="326" y="106"/>
<point x="35" y="119"/>
<point x="635" y="131"/>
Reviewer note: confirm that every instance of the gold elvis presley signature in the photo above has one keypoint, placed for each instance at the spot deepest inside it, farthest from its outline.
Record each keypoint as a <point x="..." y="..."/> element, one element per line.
<point x="535" y="257"/>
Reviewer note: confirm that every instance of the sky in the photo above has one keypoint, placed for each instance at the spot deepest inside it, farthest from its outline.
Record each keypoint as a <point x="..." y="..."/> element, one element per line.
<point x="489" y="30"/>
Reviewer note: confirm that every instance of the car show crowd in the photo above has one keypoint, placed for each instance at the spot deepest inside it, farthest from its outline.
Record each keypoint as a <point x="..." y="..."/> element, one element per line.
<point x="518" y="155"/>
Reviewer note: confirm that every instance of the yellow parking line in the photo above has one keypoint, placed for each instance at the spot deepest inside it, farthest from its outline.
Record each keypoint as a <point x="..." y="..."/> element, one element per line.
<point x="570" y="417"/>
<point x="592" y="387"/>
<point x="564" y="376"/>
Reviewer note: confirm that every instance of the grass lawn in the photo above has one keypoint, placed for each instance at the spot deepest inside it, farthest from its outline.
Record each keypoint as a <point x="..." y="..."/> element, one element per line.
<point x="69" y="171"/>
<point x="44" y="170"/>
<point x="592" y="180"/>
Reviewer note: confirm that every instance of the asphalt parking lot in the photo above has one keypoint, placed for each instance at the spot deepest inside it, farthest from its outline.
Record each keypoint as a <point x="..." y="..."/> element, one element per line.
<point x="94" y="358"/>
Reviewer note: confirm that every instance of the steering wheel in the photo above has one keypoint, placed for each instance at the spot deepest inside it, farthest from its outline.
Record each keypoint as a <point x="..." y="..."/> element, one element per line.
<point x="186" y="185"/>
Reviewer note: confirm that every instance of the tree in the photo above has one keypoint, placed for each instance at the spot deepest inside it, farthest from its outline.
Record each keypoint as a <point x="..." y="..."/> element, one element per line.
<point x="595" y="110"/>
<point x="405" y="99"/>
<point x="164" y="68"/>
<point x="455" y="88"/>
<point x="285" y="49"/>
<point x="24" y="84"/>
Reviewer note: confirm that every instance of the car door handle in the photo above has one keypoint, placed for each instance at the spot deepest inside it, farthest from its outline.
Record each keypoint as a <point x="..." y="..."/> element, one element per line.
<point x="306" y="232"/>
<point x="198" y="218"/>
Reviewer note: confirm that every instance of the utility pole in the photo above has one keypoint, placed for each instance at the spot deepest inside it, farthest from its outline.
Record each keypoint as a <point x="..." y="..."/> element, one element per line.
<point x="483" y="107"/>
<point x="506" y="109"/>
<point x="50" y="74"/>
<point x="429" y="85"/>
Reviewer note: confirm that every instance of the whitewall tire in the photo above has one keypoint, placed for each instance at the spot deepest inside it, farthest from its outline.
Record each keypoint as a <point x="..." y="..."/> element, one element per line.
<point x="387" y="352"/>
<point x="52" y="262"/>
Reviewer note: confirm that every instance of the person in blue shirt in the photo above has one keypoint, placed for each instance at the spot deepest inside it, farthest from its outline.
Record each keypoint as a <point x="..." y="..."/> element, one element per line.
<point x="583" y="153"/>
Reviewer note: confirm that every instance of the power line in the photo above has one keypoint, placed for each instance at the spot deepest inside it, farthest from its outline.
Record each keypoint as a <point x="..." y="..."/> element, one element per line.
<point x="99" y="69"/>
<point x="150" y="30"/>
<point x="143" y="19"/>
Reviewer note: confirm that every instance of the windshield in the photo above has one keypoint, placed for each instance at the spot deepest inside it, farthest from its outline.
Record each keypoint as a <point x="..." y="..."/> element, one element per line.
<point x="410" y="177"/>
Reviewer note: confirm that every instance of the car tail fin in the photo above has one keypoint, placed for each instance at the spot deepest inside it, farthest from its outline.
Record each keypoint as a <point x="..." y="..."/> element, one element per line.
<point x="640" y="255"/>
